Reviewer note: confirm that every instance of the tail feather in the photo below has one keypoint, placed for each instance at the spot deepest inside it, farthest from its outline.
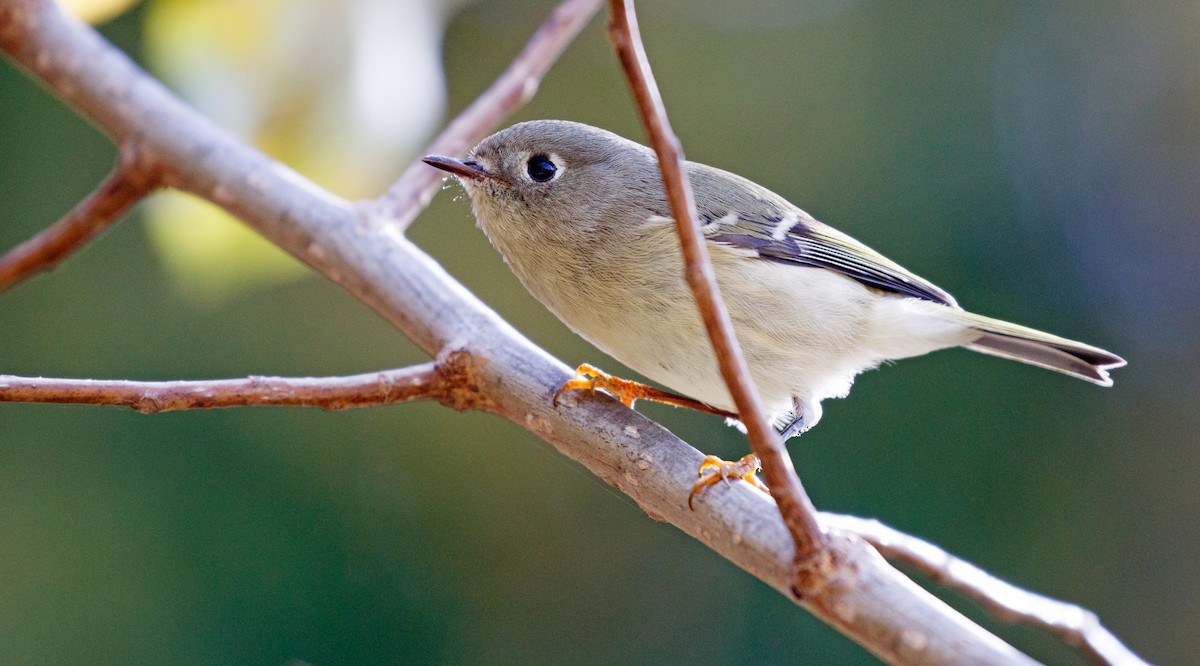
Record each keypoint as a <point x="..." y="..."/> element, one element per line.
<point x="1019" y="343"/>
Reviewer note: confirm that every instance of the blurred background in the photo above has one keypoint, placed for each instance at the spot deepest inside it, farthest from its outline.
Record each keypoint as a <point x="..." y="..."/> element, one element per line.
<point x="1041" y="161"/>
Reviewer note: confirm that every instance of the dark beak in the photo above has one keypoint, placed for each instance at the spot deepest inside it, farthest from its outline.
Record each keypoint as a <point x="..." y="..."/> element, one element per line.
<point x="469" y="169"/>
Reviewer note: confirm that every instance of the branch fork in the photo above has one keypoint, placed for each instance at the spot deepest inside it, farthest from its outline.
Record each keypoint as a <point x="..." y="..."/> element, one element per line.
<point x="135" y="176"/>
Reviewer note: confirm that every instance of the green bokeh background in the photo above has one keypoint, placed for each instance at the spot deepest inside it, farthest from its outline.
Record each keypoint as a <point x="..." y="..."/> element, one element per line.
<point x="1039" y="160"/>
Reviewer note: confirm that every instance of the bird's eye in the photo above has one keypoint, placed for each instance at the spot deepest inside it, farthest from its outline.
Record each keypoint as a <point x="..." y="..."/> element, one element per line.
<point x="540" y="169"/>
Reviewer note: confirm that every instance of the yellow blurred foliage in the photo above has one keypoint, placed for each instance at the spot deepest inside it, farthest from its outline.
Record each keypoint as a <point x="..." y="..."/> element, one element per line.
<point x="185" y="25"/>
<point x="313" y="84"/>
<point x="96" y="11"/>
<point x="211" y="255"/>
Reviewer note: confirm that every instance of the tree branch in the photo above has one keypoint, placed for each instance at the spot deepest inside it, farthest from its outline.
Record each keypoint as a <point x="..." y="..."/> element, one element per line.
<point x="797" y="509"/>
<point x="429" y="381"/>
<point x="1077" y="626"/>
<point x="360" y="249"/>
<point x="516" y="86"/>
<point x="129" y="182"/>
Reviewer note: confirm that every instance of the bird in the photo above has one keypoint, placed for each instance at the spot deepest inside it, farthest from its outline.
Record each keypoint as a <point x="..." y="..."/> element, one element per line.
<point x="580" y="216"/>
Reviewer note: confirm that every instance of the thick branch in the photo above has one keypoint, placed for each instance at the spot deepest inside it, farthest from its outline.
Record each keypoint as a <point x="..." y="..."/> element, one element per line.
<point x="1077" y="626"/>
<point x="869" y="600"/>
<point x="378" y="265"/>
<point x="829" y="574"/>
<point x="129" y="182"/>
<point x="516" y="86"/>
<point x="797" y="509"/>
<point x="423" y="382"/>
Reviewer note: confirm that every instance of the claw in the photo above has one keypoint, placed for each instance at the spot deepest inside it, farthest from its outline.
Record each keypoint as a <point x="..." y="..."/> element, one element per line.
<point x="717" y="469"/>
<point x="591" y="379"/>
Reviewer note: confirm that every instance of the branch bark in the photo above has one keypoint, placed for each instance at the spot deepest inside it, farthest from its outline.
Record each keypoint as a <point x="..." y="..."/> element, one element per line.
<point x="362" y="248"/>
<point x="130" y="181"/>
<point x="516" y="86"/>
<point x="1076" y="626"/>
<point x="797" y="509"/>
<point x="448" y="382"/>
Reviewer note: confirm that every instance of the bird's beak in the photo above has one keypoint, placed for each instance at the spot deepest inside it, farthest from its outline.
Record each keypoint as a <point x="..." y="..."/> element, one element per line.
<point x="469" y="169"/>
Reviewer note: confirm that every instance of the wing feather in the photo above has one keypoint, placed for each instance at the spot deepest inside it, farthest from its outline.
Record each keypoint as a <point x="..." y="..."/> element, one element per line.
<point x="808" y="242"/>
<point x="778" y="231"/>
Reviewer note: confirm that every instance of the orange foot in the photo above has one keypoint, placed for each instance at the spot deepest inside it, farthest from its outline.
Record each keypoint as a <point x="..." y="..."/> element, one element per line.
<point x="713" y="469"/>
<point x="591" y="379"/>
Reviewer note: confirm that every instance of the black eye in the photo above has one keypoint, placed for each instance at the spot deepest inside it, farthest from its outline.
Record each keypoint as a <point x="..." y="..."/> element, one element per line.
<point x="540" y="169"/>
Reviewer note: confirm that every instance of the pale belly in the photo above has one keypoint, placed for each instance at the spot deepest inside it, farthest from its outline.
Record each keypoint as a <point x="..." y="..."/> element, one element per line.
<point x="805" y="332"/>
<point x="801" y="330"/>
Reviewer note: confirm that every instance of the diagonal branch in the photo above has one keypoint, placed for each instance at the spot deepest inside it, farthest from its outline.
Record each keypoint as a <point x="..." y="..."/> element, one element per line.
<point x="795" y="506"/>
<point x="516" y="86"/>
<point x="429" y="381"/>
<point x="1077" y="626"/>
<point x="130" y="181"/>
<point x="862" y="596"/>
<point x="377" y="264"/>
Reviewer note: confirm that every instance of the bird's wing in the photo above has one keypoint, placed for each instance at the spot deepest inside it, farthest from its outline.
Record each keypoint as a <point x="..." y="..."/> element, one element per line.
<point x="796" y="238"/>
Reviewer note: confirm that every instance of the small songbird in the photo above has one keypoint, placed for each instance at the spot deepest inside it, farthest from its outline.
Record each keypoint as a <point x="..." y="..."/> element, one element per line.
<point x="580" y="215"/>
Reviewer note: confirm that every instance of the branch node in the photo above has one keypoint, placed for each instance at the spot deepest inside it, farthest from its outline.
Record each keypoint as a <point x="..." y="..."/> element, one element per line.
<point x="147" y="404"/>
<point x="139" y="164"/>
<point x="135" y="175"/>
<point x="816" y="572"/>
<point x="458" y="377"/>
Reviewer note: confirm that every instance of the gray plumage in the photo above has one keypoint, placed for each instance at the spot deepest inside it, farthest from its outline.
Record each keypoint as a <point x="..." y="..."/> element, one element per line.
<point x="812" y="307"/>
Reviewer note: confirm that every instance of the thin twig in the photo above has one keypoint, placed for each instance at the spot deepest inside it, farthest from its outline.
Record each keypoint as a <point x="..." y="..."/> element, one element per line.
<point x="128" y="183"/>
<point x="422" y="382"/>
<point x="1077" y="626"/>
<point x="516" y="86"/>
<point x="794" y="504"/>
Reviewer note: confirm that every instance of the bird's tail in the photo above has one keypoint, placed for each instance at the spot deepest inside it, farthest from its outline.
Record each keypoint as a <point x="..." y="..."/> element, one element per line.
<point x="1000" y="338"/>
